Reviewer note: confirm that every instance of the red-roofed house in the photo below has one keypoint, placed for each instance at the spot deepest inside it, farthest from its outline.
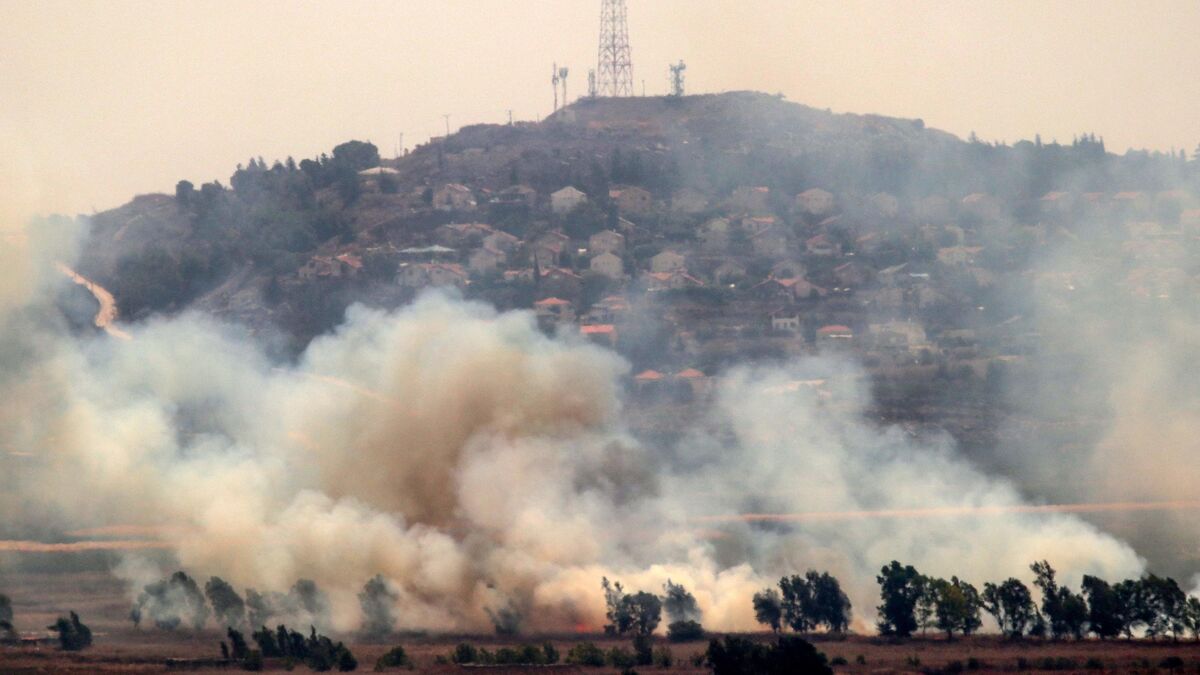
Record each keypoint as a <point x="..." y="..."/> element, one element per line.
<point x="604" y="334"/>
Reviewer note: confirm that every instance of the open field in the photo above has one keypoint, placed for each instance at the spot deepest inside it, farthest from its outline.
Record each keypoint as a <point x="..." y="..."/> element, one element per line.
<point x="102" y="603"/>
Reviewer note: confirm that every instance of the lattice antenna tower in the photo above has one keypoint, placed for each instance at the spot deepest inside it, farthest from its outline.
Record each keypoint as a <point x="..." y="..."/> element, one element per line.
<point x="614" y="64"/>
<point x="562" y="76"/>
<point x="677" y="78"/>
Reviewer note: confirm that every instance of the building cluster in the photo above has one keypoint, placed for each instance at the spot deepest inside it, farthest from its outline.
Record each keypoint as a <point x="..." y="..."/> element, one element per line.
<point x="904" y="282"/>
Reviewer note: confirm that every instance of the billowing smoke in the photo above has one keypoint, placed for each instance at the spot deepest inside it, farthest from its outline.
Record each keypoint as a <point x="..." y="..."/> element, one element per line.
<point x="479" y="466"/>
<point x="378" y="600"/>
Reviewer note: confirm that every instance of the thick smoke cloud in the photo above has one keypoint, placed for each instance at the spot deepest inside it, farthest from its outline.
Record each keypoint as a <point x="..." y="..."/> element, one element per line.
<point x="481" y="467"/>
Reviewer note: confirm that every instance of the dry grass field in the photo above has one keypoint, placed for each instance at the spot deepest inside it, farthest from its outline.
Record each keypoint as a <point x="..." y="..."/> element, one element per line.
<point x="101" y="601"/>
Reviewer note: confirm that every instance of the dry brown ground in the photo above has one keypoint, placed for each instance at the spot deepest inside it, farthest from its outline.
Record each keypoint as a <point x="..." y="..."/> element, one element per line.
<point x="101" y="601"/>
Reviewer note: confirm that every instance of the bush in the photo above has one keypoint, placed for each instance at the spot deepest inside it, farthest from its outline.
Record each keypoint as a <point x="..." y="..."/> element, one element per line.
<point x="619" y="657"/>
<point x="685" y="631"/>
<point x="1171" y="663"/>
<point x="860" y="660"/>
<point x="839" y="661"/>
<point x="73" y="635"/>
<point x="974" y="663"/>
<point x="1094" y="664"/>
<point x="663" y="658"/>
<point x="550" y="653"/>
<point x="254" y="661"/>
<point x="643" y="650"/>
<point x="739" y="656"/>
<point x="395" y="658"/>
<point x="465" y="653"/>
<point x="585" y="654"/>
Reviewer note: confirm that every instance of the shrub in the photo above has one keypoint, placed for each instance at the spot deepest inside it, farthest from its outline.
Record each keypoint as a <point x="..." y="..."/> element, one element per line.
<point x="585" y="654"/>
<point x="550" y="653"/>
<point x="73" y="635"/>
<point x="860" y="660"/>
<point x="465" y="653"/>
<point x="254" y="661"/>
<point x="974" y="663"/>
<point x="395" y="658"/>
<point x="663" y="657"/>
<point x="839" y="661"/>
<point x="619" y="657"/>
<point x="739" y="656"/>
<point x="1094" y="664"/>
<point x="643" y="650"/>
<point x="1171" y="663"/>
<point x="685" y="631"/>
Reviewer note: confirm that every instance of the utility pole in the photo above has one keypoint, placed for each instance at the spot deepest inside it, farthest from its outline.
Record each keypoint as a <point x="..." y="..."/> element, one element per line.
<point x="510" y="117"/>
<point x="554" y="83"/>
<point x="447" y="116"/>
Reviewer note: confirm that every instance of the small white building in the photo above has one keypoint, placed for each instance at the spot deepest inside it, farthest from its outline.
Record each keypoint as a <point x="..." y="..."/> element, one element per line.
<point x="608" y="264"/>
<point x="606" y="242"/>
<point x="566" y="199"/>
<point x="668" y="261"/>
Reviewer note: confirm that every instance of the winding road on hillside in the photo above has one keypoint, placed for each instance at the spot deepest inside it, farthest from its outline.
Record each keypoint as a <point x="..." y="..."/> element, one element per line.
<point x="106" y="317"/>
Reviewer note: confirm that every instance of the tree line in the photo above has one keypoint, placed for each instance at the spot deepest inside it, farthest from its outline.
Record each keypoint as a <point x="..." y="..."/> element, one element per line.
<point x="1153" y="606"/>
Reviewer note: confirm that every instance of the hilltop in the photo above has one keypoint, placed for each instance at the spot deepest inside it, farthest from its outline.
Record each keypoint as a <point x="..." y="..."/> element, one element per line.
<point x="727" y="187"/>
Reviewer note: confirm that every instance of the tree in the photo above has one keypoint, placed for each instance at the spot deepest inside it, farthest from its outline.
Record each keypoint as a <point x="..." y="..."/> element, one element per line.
<point x="1011" y="605"/>
<point x="740" y="656"/>
<point x="170" y="602"/>
<point x="1106" y="616"/>
<point x="6" y="610"/>
<point x="957" y="606"/>
<point x="831" y="603"/>
<point x="1192" y="617"/>
<point x="239" y="651"/>
<point x="639" y="613"/>
<point x="900" y="587"/>
<point x="378" y="601"/>
<point x="73" y="635"/>
<point x="228" y="607"/>
<point x="356" y="155"/>
<point x="683" y="613"/>
<point x="1166" y="605"/>
<point x="184" y="192"/>
<point x="768" y="608"/>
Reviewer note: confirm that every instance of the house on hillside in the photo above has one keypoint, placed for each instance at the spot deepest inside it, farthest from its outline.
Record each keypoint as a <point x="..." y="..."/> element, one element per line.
<point x="502" y="241"/>
<point x="714" y="235"/>
<point x="419" y="275"/>
<point x="453" y="197"/>
<point x="603" y="334"/>
<point x="560" y="282"/>
<point x="487" y="259"/>
<point x="566" y="200"/>
<point x="606" y="241"/>
<point x="462" y="234"/>
<point x="753" y="199"/>
<point x="668" y="261"/>
<point x="553" y="312"/>
<point x="814" y="202"/>
<point x="822" y="245"/>
<point x="632" y="199"/>
<point x="772" y="242"/>
<point x="676" y="280"/>
<point x="785" y="321"/>
<point x="728" y="272"/>
<point x="609" y="265"/>
<point x="834" y="334"/>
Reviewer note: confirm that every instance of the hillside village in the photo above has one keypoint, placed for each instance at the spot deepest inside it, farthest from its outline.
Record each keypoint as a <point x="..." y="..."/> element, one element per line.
<point x="689" y="235"/>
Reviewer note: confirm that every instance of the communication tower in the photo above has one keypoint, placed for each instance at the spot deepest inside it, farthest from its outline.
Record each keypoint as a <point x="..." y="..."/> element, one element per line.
<point x="554" y="83"/>
<point x="562" y="75"/>
<point x="614" y="67"/>
<point x="677" y="78"/>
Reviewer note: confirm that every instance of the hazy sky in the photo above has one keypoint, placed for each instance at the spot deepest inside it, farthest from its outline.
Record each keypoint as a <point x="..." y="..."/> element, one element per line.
<point x="103" y="100"/>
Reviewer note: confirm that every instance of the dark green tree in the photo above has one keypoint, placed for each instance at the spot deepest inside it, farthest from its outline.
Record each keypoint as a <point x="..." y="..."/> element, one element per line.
<point x="1011" y="605"/>
<point x="768" y="608"/>
<point x="900" y="587"/>
<point x="73" y="635"/>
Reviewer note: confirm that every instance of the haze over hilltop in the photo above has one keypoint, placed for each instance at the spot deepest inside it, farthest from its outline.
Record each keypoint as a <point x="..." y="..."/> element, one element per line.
<point x="105" y="101"/>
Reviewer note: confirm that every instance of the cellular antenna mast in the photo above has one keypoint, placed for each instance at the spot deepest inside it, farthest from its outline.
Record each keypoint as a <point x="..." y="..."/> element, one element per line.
<point x="554" y="82"/>
<point x="562" y="75"/>
<point x="614" y="67"/>
<point x="677" y="78"/>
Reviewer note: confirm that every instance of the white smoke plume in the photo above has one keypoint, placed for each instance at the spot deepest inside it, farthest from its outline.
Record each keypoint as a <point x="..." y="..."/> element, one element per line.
<point x="478" y="465"/>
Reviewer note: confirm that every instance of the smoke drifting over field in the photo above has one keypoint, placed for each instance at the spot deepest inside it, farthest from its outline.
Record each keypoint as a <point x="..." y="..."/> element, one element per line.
<point x="478" y="466"/>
